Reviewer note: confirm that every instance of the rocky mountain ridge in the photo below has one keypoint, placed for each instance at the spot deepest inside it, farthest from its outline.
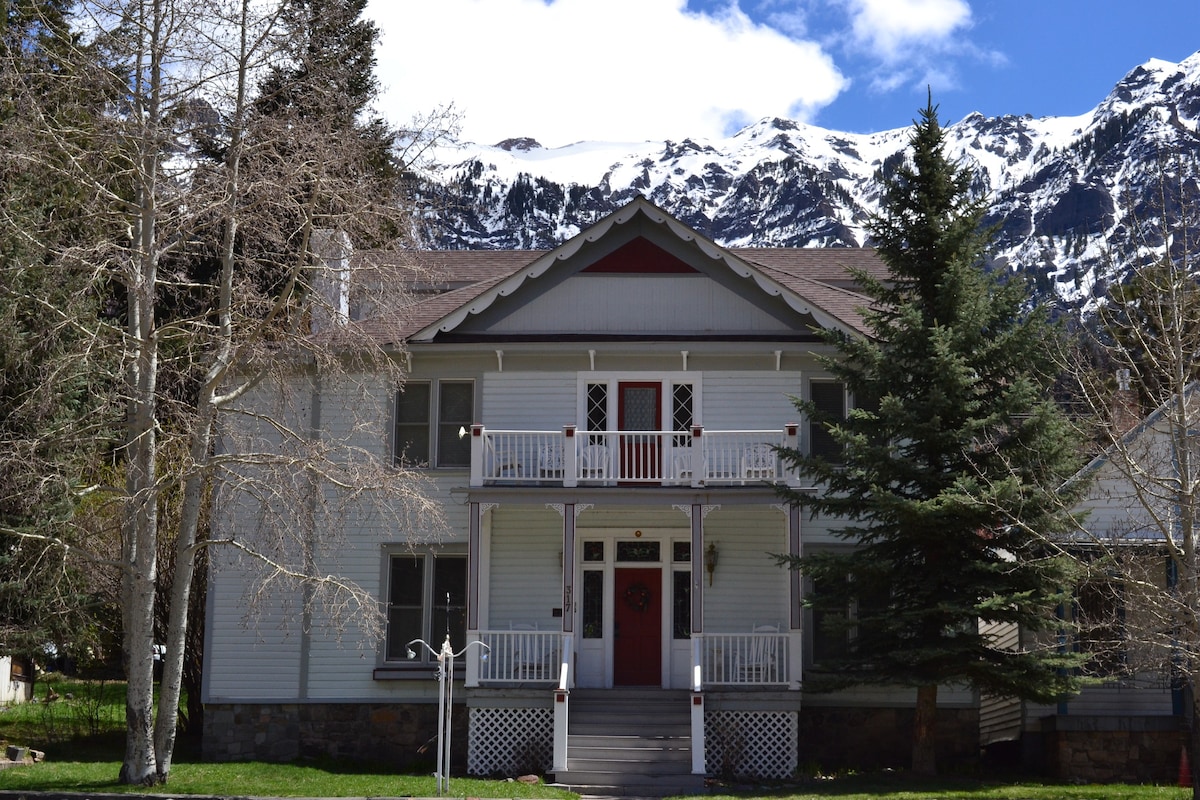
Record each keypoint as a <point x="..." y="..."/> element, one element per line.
<point x="1076" y="200"/>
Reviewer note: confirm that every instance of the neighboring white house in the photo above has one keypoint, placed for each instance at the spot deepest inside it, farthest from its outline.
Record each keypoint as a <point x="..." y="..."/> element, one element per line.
<point x="1128" y="721"/>
<point x="600" y="421"/>
<point x="16" y="680"/>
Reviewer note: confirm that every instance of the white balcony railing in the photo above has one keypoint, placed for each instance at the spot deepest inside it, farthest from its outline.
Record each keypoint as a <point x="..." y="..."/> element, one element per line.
<point x="520" y="656"/>
<point x="745" y="659"/>
<point x="761" y="658"/>
<point x="696" y="457"/>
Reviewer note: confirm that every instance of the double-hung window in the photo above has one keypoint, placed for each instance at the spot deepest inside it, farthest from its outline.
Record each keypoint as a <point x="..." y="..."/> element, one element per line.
<point x="427" y="598"/>
<point x="430" y="415"/>
<point x="829" y="398"/>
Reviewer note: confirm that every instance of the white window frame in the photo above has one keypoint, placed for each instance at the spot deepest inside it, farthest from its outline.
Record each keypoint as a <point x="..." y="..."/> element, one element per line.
<point x="434" y="419"/>
<point x="422" y="658"/>
<point x="667" y="381"/>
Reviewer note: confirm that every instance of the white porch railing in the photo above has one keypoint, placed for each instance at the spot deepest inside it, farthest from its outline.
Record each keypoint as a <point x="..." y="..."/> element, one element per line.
<point x="744" y="659"/>
<point x="696" y="457"/>
<point x="521" y="657"/>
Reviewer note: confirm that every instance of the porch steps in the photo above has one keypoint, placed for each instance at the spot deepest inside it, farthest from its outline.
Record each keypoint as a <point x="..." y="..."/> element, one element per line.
<point x="629" y="742"/>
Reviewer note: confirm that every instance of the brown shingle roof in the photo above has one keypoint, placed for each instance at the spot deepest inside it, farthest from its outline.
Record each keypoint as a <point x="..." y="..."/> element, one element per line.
<point x="448" y="279"/>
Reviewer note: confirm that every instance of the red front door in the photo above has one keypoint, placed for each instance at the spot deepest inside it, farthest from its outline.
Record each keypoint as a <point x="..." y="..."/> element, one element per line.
<point x="639" y="408"/>
<point x="637" y="646"/>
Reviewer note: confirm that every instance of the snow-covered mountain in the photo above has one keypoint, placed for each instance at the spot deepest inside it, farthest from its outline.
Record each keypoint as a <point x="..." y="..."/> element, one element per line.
<point x="1071" y="195"/>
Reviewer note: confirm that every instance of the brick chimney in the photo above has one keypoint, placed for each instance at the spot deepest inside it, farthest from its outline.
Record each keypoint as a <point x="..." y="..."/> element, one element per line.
<point x="1125" y="414"/>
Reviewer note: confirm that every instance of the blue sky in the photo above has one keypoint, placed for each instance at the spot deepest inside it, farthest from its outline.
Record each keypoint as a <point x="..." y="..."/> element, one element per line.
<point x="563" y="71"/>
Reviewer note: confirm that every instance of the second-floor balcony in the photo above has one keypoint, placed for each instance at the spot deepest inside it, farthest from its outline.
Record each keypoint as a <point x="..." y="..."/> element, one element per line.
<point x="569" y="457"/>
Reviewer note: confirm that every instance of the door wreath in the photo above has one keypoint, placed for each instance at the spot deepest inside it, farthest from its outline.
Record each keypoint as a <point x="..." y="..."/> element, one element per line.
<point x="637" y="596"/>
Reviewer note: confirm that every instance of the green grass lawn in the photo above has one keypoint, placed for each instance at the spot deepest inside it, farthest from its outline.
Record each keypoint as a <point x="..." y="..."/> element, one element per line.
<point x="898" y="786"/>
<point x="82" y="733"/>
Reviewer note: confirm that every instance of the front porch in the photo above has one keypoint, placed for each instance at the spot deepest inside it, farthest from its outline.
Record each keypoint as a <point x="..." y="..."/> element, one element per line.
<point x="662" y="590"/>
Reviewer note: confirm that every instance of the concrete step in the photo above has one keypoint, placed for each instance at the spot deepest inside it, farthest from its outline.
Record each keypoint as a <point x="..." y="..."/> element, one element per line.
<point x="627" y="727"/>
<point x="612" y="783"/>
<point x="630" y="741"/>
<point x="629" y="766"/>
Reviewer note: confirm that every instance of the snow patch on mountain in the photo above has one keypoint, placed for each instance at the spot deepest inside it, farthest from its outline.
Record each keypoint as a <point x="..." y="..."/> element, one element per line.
<point x="1068" y="194"/>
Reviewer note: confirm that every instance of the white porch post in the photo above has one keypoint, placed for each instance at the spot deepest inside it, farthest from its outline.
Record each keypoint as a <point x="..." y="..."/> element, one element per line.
<point x="697" y="519"/>
<point x="796" y="591"/>
<point x="697" y="457"/>
<point x="473" y="547"/>
<point x="477" y="455"/>
<point x="791" y="440"/>
<point x="566" y="678"/>
<point x="570" y="457"/>
<point x="561" y="701"/>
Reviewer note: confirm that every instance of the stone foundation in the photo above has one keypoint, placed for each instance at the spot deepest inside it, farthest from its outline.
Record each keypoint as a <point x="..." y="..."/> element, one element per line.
<point x="389" y="733"/>
<point x="1113" y="749"/>
<point x="876" y="738"/>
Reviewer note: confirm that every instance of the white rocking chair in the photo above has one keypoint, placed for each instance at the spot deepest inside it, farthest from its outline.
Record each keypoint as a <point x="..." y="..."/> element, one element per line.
<point x="759" y="662"/>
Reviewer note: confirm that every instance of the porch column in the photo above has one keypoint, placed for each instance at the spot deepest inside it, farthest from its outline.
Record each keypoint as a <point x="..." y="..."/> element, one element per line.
<point x="568" y="568"/>
<point x="477" y="455"/>
<point x="697" y="519"/>
<point x="565" y="681"/>
<point x="473" y="562"/>
<point x="699" y="766"/>
<point x="796" y="598"/>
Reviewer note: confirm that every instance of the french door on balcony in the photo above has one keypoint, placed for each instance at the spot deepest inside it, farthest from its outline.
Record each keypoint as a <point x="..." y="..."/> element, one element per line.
<point x="639" y="408"/>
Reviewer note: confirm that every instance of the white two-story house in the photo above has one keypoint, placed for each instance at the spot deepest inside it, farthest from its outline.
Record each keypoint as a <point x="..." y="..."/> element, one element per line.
<point x="601" y="422"/>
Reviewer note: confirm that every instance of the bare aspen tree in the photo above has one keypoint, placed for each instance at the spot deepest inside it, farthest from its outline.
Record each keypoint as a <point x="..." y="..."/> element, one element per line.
<point x="1138" y="602"/>
<point x="244" y="308"/>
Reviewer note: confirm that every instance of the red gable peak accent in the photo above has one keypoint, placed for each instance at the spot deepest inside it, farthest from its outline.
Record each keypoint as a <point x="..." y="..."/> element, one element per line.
<point x="640" y="256"/>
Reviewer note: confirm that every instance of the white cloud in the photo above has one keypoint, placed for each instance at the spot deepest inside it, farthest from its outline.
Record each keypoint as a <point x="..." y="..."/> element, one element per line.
<point x="619" y="70"/>
<point x="894" y="29"/>
<point x="913" y="43"/>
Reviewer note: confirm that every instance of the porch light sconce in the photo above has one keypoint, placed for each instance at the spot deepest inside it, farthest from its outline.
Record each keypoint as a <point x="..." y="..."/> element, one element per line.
<point x="462" y="431"/>
<point x="710" y="560"/>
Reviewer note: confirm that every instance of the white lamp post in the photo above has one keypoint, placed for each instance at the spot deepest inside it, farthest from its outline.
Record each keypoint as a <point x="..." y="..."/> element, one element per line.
<point x="445" y="676"/>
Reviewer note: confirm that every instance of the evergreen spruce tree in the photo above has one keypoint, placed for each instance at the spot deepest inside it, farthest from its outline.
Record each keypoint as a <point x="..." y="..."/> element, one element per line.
<point x="947" y="480"/>
<point x="327" y="80"/>
<point x="56" y="359"/>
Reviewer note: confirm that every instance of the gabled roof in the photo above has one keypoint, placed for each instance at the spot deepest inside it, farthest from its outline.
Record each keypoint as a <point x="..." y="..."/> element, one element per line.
<point x="811" y="281"/>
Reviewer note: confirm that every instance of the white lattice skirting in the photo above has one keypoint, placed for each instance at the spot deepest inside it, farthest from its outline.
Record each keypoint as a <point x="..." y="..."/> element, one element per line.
<point x="759" y="744"/>
<point x="510" y="741"/>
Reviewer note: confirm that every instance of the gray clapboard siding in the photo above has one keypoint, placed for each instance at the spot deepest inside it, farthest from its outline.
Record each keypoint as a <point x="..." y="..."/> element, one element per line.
<point x="639" y="304"/>
<point x="748" y="589"/>
<point x="248" y="658"/>
<point x="1000" y="718"/>
<point x="535" y="401"/>
<point x="749" y="400"/>
<point x="1147" y="697"/>
<point x="526" y="574"/>
<point x="890" y="697"/>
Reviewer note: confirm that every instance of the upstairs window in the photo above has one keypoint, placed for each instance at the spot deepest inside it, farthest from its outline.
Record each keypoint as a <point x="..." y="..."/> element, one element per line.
<point x="419" y="432"/>
<point x="829" y="397"/>
<point x="456" y="410"/>
<point x="411" y="438"/>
